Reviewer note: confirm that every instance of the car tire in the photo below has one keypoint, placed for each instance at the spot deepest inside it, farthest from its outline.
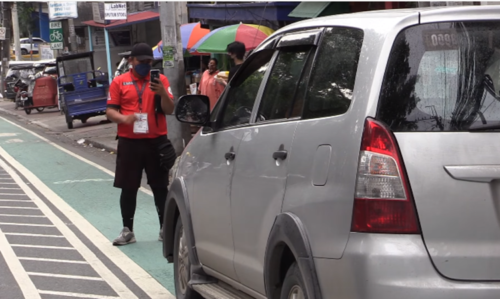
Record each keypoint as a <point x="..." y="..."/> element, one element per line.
<point x="182" y="265"/>
<point x="24" y="52"/>
<point x="293" y="286"/>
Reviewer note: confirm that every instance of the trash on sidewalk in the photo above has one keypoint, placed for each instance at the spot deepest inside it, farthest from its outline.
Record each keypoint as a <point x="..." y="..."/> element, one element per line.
<point x="81" y="141"/>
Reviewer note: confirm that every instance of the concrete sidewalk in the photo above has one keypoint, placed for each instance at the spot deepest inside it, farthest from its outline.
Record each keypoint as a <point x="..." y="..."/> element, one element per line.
<point x="96" y="132"/>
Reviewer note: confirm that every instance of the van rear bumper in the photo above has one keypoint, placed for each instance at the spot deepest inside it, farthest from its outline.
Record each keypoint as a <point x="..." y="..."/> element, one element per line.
<point x="384" y="266"/>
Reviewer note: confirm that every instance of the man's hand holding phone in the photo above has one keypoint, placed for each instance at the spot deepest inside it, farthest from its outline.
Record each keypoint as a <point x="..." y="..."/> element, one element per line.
<point x="155" y="83"/>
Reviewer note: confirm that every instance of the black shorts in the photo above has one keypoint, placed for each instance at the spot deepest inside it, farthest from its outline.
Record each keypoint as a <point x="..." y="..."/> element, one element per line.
<point x="134" y="156"/>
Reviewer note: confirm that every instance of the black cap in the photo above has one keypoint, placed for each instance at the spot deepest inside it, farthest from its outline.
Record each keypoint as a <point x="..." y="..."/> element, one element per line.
<point x="142" y="51"/>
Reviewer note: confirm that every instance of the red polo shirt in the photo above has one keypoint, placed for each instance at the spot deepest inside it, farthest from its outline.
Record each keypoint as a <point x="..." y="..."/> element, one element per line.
<point x="123" y="96"/>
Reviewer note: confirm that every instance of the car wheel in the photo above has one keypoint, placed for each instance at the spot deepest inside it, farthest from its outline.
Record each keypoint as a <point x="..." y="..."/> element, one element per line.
<point x="293" y="286"/>
<point x="24" y="52"/>
<point x="182" y="265"/>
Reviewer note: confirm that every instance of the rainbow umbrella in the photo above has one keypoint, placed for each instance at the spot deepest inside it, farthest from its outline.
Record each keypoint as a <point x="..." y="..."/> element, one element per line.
<point x="217" y="40"/>
<point x="190" y="34"/>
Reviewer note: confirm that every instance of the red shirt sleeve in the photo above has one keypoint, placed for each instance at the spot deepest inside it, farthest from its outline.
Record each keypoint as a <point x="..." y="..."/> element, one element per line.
<point x="114" y="95"/>
<point x="165" y="82"/>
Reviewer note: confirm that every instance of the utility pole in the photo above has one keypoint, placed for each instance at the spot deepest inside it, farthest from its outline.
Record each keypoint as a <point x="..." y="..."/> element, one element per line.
<point x="2" y="76"/>
<point x="7" y="23"/>
<point x="170" y="20"/>
<point x="15" y="27"/>
<point x="72" y="36"/>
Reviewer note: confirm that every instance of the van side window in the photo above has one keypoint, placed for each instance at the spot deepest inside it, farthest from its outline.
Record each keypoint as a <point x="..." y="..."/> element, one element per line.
<point x="244" y="88"/>
<point x="334" y="72"/>
<point x="283" y="84"/>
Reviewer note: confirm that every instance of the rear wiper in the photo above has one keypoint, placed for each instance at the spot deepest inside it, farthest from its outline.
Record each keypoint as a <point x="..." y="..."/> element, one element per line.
<point x="494" y="126"/>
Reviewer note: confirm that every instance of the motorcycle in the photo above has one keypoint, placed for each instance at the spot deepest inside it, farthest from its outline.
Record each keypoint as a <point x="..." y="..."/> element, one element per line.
<point x="21" y="87"/>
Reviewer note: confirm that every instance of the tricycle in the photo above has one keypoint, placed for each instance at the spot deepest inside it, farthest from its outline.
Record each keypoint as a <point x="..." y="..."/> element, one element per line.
<point x="83" y="91"/>
<point x="42" y="90"/>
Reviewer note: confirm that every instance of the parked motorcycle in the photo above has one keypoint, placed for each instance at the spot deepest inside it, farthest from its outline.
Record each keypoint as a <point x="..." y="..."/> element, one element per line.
<point x="21" y="87"/>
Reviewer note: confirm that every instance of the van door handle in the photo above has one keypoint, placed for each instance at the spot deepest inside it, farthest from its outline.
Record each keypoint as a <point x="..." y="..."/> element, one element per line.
<point x="280" y="155"/>
<point x="230" y="156"/>
<point x="474" y="173"/>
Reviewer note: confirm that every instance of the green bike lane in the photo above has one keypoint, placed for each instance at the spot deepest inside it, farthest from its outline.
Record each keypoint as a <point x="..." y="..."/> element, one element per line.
<point x="89" y="191"/>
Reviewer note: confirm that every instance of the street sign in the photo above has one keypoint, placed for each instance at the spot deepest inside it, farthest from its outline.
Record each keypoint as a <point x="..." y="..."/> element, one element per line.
<point x="60" y="10"/>
<point x="56" y="36"/>
<point x="2" y="33"/>
<point x="115" y="11"/>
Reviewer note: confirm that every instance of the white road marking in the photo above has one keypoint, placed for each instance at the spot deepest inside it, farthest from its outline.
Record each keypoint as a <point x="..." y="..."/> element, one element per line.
<point x="91" y="232"/>
<point x="7" y="188"/>
<point x="14" y="194"/>
<point x="25" y="208"/>
<point x="8" y="134"/>
<point x="5" y="179"/>
<point x="16" y="215"/>
<point x="140" y="276"/>
<point x="83" y="181"/>
<point x="7" y="183"/>
<point x="42" y="246"/>
<point x="16" y="200"/>
<point x="23" y="280"/>
<point x="51" y="260"/>
<point x="26" y="224"/>
<point x="76" y="295"/>
<point x="64" y="276"/>
<point x="15" y="140"/>
<point x="34" y="235"/>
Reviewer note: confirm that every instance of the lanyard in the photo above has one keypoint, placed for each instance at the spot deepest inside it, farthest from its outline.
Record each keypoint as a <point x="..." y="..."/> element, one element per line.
<point x="139" y="93"/>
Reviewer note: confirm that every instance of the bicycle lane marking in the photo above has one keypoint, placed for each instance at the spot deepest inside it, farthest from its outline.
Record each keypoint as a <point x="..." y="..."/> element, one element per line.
<point x="81" y="204"/>
<point x="86" y="253"/>
<point x="23" y="280"/>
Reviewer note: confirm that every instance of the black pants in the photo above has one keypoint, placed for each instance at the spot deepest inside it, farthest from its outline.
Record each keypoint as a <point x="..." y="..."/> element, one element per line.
<point x="133" y="157"/>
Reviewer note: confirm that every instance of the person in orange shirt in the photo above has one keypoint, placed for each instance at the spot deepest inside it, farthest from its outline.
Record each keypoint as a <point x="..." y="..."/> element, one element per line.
<point x="209" y="85"/>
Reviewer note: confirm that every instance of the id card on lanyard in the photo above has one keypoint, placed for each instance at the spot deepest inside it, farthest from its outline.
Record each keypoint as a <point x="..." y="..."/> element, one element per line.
<point x="141" y="124"/>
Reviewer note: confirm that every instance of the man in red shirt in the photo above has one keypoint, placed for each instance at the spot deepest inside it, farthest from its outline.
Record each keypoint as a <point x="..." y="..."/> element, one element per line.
<point x="139" y="106"/>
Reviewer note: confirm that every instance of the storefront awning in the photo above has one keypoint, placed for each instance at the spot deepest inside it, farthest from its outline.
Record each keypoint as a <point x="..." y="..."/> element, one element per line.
<point x="308" y="10"/>
<point x="136" y="18"/>
<point x="243" y="12"/>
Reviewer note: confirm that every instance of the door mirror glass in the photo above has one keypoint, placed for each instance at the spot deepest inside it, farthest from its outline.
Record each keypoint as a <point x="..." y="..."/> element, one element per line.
<point x="193" y="109"/>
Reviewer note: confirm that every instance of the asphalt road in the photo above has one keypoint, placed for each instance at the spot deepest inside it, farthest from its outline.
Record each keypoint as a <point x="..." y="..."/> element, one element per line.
<point x="58" y="216"/>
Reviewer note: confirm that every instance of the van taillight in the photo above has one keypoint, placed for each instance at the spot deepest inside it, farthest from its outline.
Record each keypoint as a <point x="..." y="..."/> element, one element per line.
<point x="383" y="202"/>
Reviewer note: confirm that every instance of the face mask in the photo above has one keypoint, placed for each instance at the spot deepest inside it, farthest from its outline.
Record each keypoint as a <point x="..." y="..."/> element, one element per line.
<point x="143" y="69"/>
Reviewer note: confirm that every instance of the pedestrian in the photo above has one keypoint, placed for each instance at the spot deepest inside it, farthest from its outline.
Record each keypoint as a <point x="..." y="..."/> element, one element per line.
<point x="139" y="106"/>
<point x="209" y="85"/>
<point x="235" y="50"/>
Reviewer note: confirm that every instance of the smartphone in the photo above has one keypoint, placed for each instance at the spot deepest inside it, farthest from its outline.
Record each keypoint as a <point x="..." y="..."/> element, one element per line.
<point x="154" y="76"/>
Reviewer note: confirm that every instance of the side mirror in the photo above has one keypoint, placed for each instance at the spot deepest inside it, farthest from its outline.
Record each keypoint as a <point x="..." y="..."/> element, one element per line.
<point x="193" y="109"/>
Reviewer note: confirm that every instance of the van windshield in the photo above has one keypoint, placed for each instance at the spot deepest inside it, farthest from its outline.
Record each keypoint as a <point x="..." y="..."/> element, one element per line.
<point x="443" y="77"/>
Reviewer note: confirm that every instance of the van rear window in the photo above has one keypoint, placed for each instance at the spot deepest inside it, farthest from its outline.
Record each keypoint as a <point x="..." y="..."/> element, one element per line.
<point x="443" y="77"/>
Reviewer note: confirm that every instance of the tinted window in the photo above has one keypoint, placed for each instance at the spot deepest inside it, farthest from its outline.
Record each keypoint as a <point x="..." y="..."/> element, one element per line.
<point x="243" y="90"/>
<point x="443" y="77"/>
<point x="282" y="86"/>
<point x="334" y="73"/>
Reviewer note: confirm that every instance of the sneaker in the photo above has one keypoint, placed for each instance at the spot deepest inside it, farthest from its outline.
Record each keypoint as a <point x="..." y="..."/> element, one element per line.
<point x="160" y="237"/>
<point x="125" y="237"/>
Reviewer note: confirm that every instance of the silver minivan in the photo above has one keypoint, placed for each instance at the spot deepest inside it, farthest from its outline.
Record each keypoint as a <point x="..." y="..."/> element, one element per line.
<point x="353" y="156"/>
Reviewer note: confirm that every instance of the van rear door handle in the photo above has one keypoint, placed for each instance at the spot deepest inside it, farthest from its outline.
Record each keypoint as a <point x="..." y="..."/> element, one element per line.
<point x="474" y="173"/>
<point x="280" y="155"/>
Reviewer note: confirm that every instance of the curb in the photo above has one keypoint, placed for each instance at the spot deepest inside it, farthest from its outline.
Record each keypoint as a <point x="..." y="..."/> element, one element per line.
<point x="100" y="145"/>
<point x="88" y="141"/>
